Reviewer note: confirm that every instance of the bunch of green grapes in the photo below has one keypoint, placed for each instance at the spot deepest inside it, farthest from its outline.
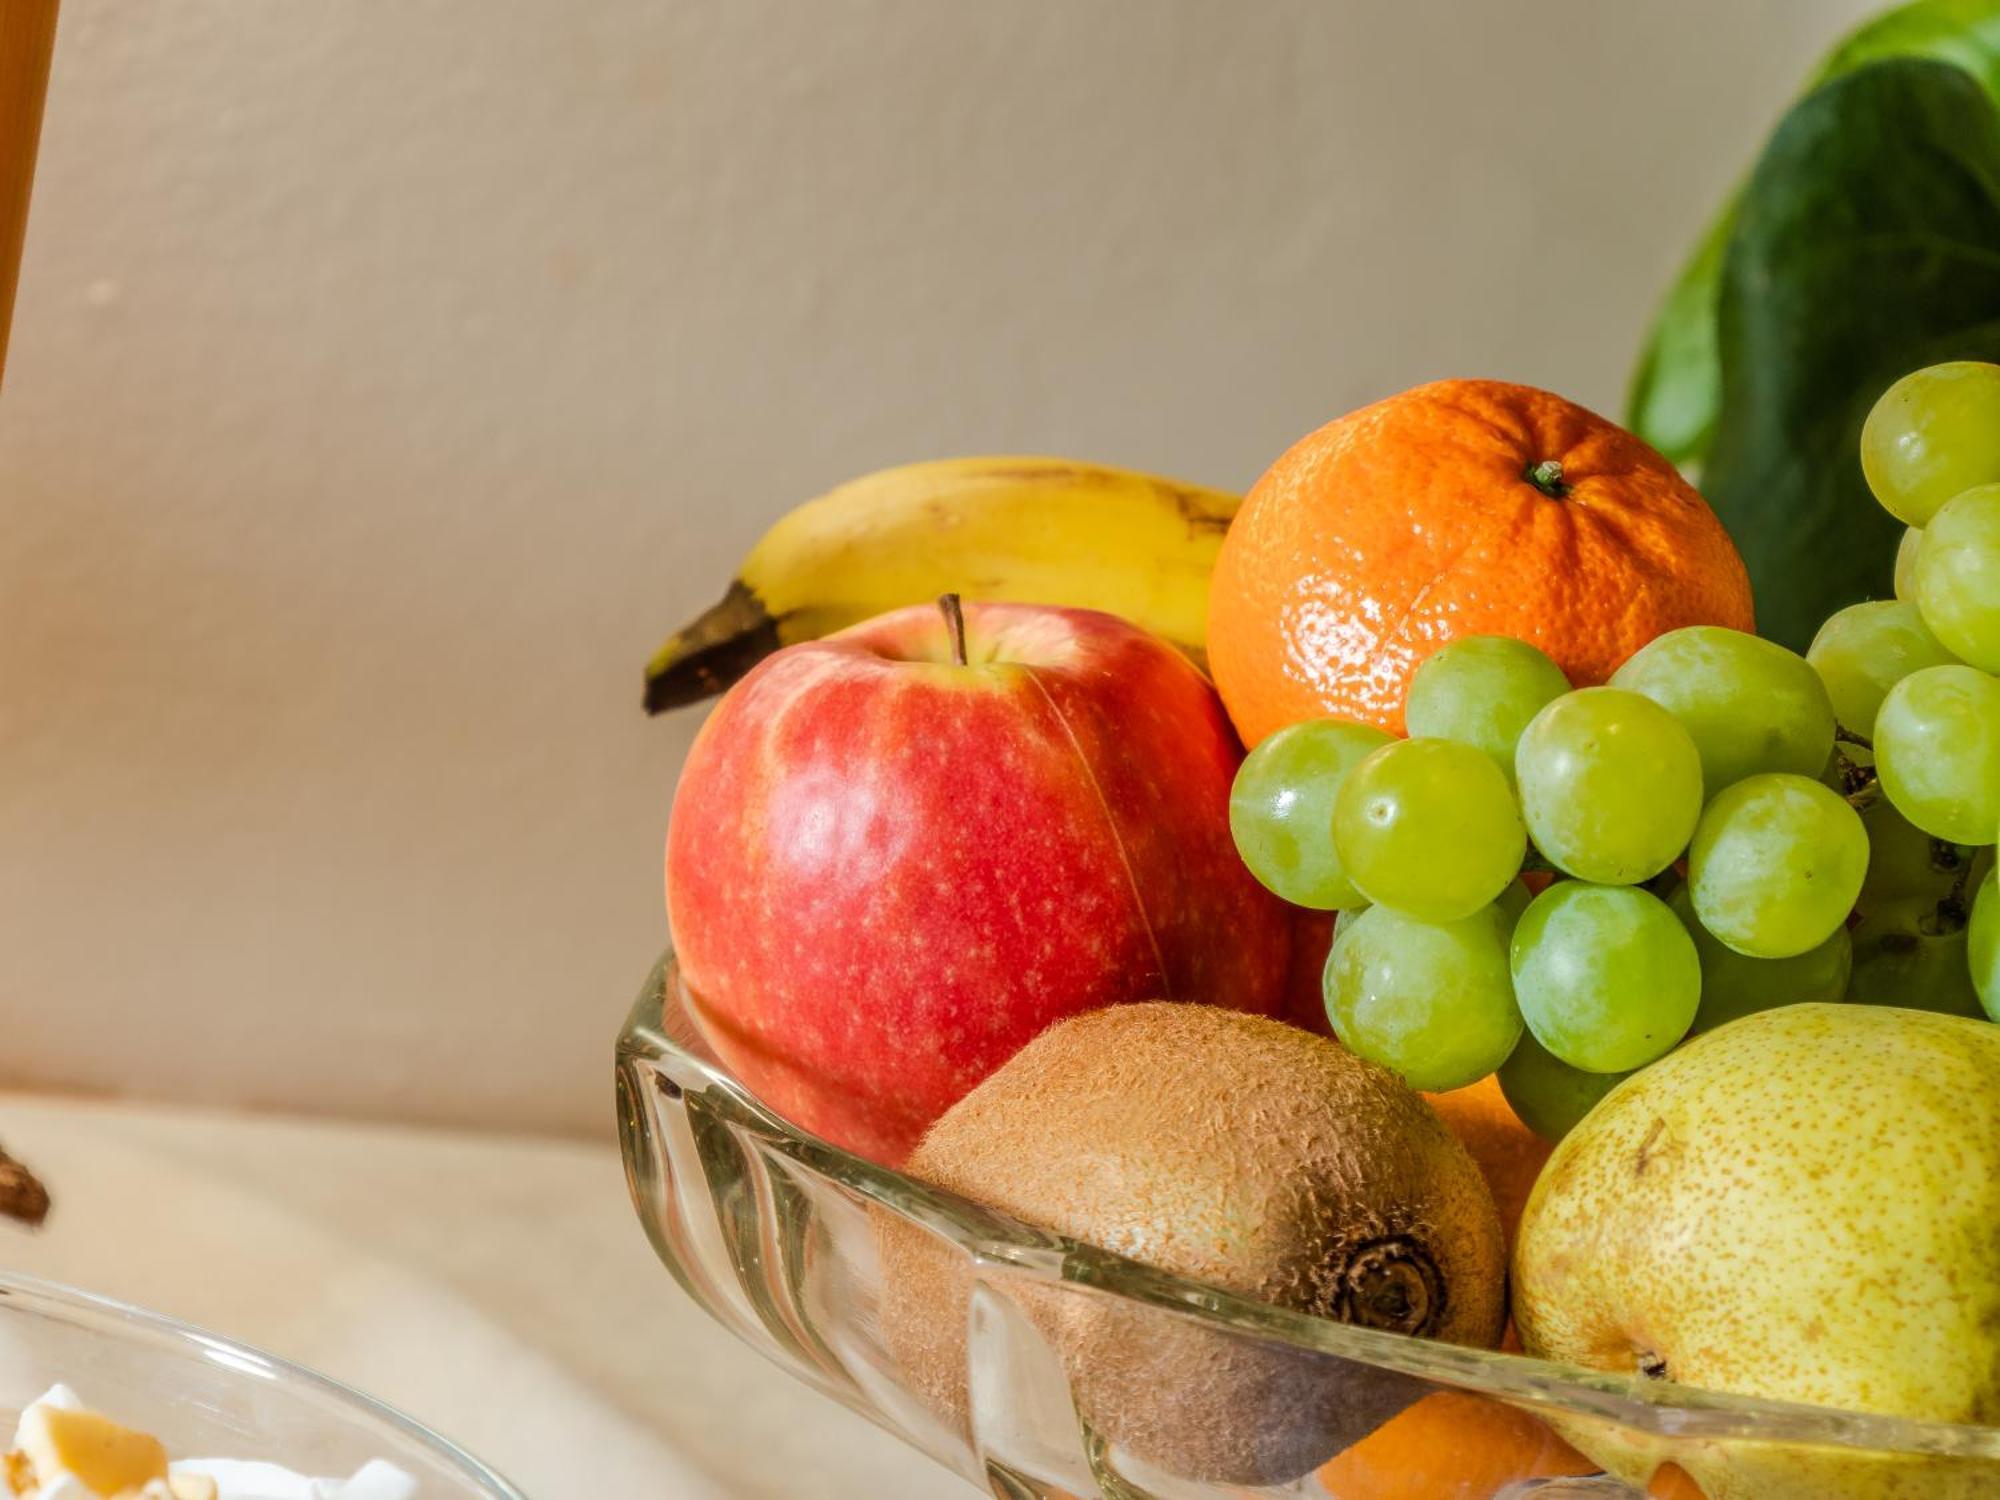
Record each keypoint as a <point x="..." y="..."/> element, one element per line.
<point x="1914" y="681"/>
<point x="1446" y="967"/>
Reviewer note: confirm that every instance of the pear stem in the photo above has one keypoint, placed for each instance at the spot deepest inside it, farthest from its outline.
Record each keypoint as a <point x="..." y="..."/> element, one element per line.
<point x="954" y="624"/>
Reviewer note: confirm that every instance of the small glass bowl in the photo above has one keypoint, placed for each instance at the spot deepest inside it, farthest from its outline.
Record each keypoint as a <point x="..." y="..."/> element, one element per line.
<point x="1040" y="1368"/>
<point x="207" y="1397"/>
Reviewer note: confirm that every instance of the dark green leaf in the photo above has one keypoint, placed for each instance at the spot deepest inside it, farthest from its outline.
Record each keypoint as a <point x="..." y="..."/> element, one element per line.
<point x="1867" y="244"/>
<point x="1676" y="388"/>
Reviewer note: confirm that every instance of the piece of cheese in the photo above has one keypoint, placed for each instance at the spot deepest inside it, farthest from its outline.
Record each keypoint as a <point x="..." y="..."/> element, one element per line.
<point x="104" y="1457"/>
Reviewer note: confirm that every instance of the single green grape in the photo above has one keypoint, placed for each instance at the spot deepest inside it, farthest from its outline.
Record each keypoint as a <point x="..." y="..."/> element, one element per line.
<point x="1610" y="785"/>
<point x="1749" y="704"/>
<point x="1734" y="985"/>
<point x="1547" y="1093"/>
<point x="1937" y="750"/>
<point x="1958" y="576"/>
<point x="1430" y="1001"/>
<point x="1866" y="649"/>
<point x="1776" y="864"/>
<point x="1903" y="860"/>
<point x="1281" y="809"/>
<point x="1481" y="690"/>
<point x="1982" y="943"/>
<point x="1430" y="828"/>
<point x="1908" y="550"/>
<point x="1933" y="434"/>
<point x="1913" y="953"/>
<point x="1605" y="976"/>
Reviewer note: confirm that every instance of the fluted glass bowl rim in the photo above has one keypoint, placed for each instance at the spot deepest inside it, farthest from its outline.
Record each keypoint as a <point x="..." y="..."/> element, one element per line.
<point x="140" y="1328"/>
<point x="987" y="1236"/>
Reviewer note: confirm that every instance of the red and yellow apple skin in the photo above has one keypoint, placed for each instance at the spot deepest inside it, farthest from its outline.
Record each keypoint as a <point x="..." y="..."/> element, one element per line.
<point x="886" y="871"/>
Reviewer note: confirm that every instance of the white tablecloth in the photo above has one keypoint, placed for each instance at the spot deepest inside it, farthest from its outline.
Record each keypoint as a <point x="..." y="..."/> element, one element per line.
<point x="498" y="1289"/>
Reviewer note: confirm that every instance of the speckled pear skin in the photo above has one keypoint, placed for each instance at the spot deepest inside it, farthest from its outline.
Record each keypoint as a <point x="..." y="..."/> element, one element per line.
<point x="1231" y="1149"/>
<point x="1803" y="1205"/>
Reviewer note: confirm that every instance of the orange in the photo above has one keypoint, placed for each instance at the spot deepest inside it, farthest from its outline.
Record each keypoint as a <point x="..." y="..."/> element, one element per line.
<point x="1465" y="507"/>
<point x="1671" y="1482"/>
<point x="1506" y="1151"/>
<point x="1451" y="1445"/>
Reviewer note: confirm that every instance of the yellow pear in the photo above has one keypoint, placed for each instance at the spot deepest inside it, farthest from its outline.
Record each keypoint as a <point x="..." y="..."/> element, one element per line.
<point x="1802" y="1205"/>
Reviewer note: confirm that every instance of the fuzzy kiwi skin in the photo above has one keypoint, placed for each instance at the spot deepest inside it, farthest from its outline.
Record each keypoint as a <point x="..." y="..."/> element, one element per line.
<point x="1232" y="1150"/>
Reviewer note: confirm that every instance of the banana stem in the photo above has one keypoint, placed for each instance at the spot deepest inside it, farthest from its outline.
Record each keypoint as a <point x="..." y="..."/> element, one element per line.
<point x="713" y="652"/>
<point x="954" y="624"/>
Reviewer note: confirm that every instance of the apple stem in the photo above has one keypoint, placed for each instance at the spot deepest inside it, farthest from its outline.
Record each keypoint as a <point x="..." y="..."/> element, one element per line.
<point x="954" y="624"/>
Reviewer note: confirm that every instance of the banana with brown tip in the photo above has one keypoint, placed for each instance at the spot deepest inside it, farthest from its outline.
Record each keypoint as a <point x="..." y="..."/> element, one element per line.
<point x="1030" y="530"/>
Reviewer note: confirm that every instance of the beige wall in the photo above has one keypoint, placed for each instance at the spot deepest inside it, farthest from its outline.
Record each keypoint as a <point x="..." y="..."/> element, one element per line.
<point x="388" y="376"/>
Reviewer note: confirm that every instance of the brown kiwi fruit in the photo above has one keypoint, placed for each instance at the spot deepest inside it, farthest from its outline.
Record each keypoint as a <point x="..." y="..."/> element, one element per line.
<point x="1225" y="1148"/>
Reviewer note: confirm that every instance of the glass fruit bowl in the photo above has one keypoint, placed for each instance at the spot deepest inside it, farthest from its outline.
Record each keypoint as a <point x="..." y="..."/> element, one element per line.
<point x="1038" y="1367"/>
<point x="206" y="1397"/>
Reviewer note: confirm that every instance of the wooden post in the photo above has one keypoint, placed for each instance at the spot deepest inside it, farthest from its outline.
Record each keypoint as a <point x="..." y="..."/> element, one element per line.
<point x="27" y="32"/>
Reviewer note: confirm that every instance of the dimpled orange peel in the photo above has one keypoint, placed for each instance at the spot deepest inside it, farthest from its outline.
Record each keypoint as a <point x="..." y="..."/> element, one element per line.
<point x="1461" y="507"/>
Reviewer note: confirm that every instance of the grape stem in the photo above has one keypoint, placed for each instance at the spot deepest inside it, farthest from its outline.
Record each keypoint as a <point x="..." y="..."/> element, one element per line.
<point x="1537" y="863"/>
<point x="1953" y="910"/>
<point x="1945" y="855"/>
<point x="1858" y="783"/>
<point x="1842" y="735"/>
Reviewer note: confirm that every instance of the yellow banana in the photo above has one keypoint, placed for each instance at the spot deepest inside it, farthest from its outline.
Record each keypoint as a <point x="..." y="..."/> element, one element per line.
<point x="1031" y="530"/>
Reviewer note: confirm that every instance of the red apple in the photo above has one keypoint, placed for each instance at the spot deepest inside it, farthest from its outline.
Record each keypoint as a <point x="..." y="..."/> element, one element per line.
<point x="888" y="868"/>
<point x="1305" y="986"/>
